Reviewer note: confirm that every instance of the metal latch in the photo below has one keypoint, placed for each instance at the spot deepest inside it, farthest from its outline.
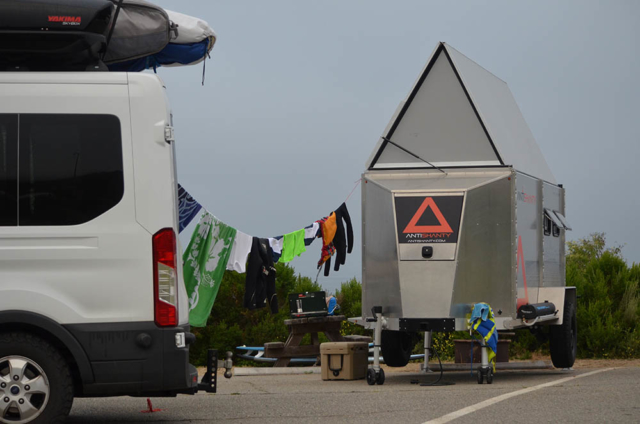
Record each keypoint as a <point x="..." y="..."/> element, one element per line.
<point x="168" y="134"/>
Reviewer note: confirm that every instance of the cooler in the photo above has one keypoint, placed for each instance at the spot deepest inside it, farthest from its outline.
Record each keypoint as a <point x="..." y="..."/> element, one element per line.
<point x="344" y="360"/>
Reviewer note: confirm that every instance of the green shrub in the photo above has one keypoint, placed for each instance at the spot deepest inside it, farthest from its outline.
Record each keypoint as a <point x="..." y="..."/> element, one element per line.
<point x="608" y="310"/>
<point x="349" y="297"/>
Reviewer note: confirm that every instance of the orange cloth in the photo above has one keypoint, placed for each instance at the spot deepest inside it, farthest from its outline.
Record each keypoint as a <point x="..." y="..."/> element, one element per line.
<point x="329" y="228"/>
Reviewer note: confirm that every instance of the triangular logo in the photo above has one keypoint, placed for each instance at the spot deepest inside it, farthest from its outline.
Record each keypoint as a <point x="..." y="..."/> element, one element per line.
<point x="413" y="226"/>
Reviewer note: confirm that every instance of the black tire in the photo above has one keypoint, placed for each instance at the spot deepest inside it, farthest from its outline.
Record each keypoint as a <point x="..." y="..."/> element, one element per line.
<point x="396" y="348"/>
<point x="563" y="339"/>
<point x="380" y="378"/>
<point x="480" y="376"/>
<point x="41" y="353"/>
<point x="490" y="376"/>
<point x="371" y="377"/>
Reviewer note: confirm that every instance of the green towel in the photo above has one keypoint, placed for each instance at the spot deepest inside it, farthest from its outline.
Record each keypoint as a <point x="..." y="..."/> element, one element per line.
<point x="292" y="246"/>
<point x="204" y="263"/>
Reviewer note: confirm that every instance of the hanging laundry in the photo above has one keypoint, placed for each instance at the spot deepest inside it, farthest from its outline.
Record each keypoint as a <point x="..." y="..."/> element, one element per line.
<point x="188" y="208"/>
<point x="204" y="263"/>
<point x="342" y="244"/>
<point x="311" y="233"/>
<point x="328" y="228"/>
<point x="276" y="247"/>
<point x="292" y="246"/>
<point x="240" y="252"/>
<point x="483" y="322"/>
<point x="260" y="283"/>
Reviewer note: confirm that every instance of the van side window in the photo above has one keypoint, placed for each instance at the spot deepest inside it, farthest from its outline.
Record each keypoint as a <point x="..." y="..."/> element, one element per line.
<point x="70" y="168"/>
<point x="8" y="170"/>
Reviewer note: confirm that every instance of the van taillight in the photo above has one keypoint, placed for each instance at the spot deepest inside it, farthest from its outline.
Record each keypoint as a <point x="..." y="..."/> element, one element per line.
<point x="165" y="278"/>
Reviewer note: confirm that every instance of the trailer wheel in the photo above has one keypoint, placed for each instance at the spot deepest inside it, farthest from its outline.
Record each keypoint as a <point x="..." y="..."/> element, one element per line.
<point x="380" y="377"/>
<point x="480" y="376"/>
<point x="563" y="339"/>
<point x="371" y="376"/>
<point x="490" y="376"/>
<point x="35" y="382"/>
<point x="396" y="347"/>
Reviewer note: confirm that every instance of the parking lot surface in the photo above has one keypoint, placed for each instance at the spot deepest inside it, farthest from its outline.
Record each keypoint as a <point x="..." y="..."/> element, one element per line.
<point x="585" y="395"/>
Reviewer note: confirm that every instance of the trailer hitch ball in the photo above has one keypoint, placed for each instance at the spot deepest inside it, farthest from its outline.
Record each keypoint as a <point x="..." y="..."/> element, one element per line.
<point x="228" y="365"/>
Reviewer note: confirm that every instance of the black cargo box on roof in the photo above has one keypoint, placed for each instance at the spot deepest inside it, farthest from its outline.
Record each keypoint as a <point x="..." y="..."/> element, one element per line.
<point x="54" y="15"/>
<point x="54" y="34"/>
<point x="77" y="35"/>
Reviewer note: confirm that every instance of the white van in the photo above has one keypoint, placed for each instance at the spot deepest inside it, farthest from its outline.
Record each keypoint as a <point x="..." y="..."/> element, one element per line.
<point x="92" y="301"/>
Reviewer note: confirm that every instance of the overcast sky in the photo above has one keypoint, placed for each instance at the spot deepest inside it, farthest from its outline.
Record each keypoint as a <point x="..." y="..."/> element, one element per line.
<point x="298" y="92"/>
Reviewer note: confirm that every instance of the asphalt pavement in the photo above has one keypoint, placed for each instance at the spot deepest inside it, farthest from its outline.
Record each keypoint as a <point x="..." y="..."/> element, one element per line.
<point x="599" y="395"/>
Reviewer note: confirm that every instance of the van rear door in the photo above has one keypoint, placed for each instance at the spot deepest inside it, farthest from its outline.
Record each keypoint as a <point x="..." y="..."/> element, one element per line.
<point x="156" y="194"/>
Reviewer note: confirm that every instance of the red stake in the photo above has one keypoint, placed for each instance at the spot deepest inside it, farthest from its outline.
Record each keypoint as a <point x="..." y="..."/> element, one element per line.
<point x="150" y="406"/>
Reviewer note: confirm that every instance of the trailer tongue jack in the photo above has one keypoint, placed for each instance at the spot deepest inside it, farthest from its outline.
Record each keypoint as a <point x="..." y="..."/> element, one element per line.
<point x="376" y="374"/>
<point x="485" y="371"/>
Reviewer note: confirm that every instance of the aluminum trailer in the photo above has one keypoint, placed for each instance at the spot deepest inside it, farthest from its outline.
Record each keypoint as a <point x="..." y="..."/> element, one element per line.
<point x="459" y="206"/>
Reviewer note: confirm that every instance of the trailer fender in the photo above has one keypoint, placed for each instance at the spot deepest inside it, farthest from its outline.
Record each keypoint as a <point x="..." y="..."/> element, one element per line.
<point x="556" y="295"/>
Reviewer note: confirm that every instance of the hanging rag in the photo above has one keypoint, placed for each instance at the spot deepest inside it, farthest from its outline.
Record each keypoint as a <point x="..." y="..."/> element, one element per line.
<point x="260" y="283"/>
<point x="311" y="233"/>
<point x="276" y="247"/>
<point x="343" y="244"/>
<point x="328" y="228"/>
<point x="483" y="322"/>
<point x="240" y="252"/>
<point x="480" y="310"/>
<point x="188" y="208"/>
<point x="292" y="246"/>
<point x="204" y="263"/>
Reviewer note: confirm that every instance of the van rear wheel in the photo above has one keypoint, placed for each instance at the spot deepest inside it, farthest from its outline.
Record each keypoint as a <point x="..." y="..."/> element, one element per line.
<point x="35" y="381"/>
<point x="563" y="339"/>
<point x="396" y="347"/>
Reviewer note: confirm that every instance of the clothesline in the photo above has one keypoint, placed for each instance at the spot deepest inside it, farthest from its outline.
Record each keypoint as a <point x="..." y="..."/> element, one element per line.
<point x="216" y="247"/>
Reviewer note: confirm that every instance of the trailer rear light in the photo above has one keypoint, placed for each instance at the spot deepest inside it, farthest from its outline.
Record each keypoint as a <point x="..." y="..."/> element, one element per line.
<point x="165" y="278"/>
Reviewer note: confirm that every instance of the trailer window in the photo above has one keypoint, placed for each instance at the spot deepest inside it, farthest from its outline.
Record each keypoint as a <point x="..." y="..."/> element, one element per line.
<point x="8" y="170"/>
<point x="547" y="225"/>
<point x="70" y="168"/>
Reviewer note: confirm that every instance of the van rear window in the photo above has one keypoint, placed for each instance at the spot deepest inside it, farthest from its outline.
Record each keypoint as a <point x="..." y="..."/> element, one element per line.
<point x="69" y="168"/>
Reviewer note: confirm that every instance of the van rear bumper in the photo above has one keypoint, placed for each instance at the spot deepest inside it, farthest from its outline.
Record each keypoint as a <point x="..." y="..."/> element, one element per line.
<point x="135" y="359"/>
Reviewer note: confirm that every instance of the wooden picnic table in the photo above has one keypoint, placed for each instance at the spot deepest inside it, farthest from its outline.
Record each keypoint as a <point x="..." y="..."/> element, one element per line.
<point x="298" y="328"/>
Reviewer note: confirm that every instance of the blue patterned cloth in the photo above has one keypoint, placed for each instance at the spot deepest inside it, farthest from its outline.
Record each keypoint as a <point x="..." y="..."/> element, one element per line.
<point x="188" y="207"/>
<point x="482" y="321"/>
